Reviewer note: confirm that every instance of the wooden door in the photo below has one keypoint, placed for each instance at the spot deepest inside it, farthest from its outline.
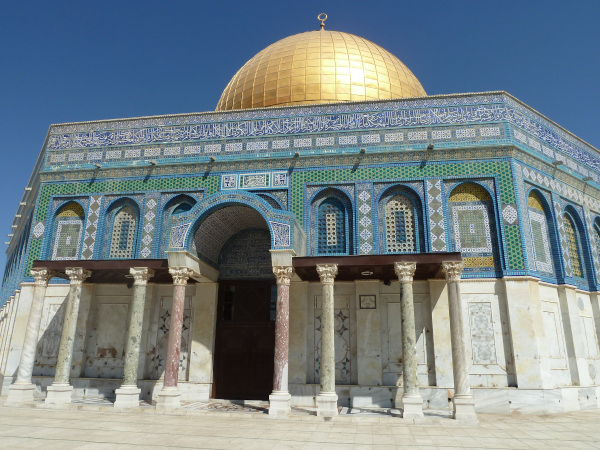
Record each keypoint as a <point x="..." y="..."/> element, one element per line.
<point x="245" y="341"/>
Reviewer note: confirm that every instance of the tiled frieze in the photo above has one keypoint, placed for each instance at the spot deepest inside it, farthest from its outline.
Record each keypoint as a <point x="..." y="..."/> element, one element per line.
<point x="91" y="227"/>
<point x="435" y="211"/>
<point x="432" y="111"/>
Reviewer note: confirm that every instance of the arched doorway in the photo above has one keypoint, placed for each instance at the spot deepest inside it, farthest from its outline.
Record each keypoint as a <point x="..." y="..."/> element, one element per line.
<point x="236" y="239"/>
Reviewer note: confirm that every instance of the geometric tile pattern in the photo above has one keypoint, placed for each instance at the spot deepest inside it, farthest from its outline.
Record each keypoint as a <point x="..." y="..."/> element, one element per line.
<point x="435" y="208"/>
<point x="509" y="214"/>
<point x="91" y="228"/>
<point x="149" y="224"/>
<point x="38" y="230"/>
<point x="364" y="204"/>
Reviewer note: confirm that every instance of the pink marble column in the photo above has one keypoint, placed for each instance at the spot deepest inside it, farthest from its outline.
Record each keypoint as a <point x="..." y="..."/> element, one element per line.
<point x="280" y="397"/>
<point x="170" y="397"/>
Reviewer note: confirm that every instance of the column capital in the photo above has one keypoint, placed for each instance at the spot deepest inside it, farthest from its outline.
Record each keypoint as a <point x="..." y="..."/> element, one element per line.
<point x="327" y="272"/>
<point x="77" y="275"/>
<point x="452" y="269"/>
<point x="405" y="271"/>
<point x="283" y="274"/>
<point x="141" y="275"/>
<point x="41" y="276"/>
<point x="180" y="275"/>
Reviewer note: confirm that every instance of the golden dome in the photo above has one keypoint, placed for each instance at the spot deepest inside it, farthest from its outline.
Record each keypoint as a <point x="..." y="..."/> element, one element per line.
<point x="319" y="67"/>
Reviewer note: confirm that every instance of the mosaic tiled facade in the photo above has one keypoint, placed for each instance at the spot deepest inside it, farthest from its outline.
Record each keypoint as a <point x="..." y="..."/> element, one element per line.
<point x="286" y="162"/>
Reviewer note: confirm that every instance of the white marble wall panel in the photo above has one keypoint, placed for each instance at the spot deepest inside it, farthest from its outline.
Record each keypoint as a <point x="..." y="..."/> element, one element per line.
<point x="298" y="332"/>
<point x="202" y="332"/>
<point x="527" y="333"/>
<point x="50" y="330"/>
<point x="483" y="317"/>
<point x="106" y="337"/>
<point x="441" y="333"/>
<point x="391" y="334"/>
<point x="368" y="330"/>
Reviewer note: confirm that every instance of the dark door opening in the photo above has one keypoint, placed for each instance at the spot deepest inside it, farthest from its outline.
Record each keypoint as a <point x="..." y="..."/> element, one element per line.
<point x="245" y="340"/>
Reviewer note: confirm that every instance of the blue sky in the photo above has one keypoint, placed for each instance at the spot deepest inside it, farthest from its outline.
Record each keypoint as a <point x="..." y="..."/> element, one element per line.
<point x="69" y="61"/>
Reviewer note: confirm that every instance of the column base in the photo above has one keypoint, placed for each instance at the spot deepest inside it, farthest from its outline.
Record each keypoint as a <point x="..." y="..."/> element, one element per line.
<point x="127" y="397"/>
<point x="464" y="408"/>
<point x="168" y="398"/>
<point x="20" y="393"/>
<point x="327" y="404"/>
<point x="279" y="403"/>
<point x="59" y="394"/>
<point x="412" y="406"/>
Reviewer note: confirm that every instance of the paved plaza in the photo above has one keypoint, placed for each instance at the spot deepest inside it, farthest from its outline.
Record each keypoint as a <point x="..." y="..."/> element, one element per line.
<point x="90" y="426"/>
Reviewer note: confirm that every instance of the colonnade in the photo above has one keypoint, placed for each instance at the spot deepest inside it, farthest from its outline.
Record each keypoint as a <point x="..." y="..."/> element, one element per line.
<point x="127" y="395"/>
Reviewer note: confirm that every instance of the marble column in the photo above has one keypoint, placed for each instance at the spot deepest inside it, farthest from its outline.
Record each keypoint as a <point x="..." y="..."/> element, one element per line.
<point x="23" y="388"/>
<point x="60" y="391"/>
<point x="327" y="398"/>
<point x="463" y="401"/>
<point x="279" y="400"/>
<point x="128" y="395"/>
<point x="170" y="396"/>
<point x="412" y="402"/>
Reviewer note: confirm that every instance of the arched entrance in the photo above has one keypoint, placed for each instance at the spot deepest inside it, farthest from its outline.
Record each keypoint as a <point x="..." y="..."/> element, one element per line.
<point x="236" y="239"/>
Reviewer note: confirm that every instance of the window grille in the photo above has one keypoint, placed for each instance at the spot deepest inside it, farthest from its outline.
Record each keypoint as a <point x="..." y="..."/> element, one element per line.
<point x="331" y="227"/>
<point x="399" y="225"/>
<point x="123" y="235"/>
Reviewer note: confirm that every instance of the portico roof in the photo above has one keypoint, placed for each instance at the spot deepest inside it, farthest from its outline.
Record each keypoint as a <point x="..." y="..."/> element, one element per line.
<point x="374" y="267"/>
<point x="113" y="271"/>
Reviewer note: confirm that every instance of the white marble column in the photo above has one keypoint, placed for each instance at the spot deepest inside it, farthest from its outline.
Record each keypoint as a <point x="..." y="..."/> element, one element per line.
<point x="23" y="388"/>
<point x="327" y="398"/>
<point x="279" y="400"/>
<point x="463" y="401"/>
<point x="60" y="391"/>
<point x="128" y="395"/>
<point x="170" y="395"/>
<point x="412" y="402"/>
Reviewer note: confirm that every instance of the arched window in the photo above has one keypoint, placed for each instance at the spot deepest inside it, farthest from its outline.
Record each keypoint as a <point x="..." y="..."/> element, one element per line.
<point x="332" y="227"/>
<point x="539" y="234"/>
<point x="400" y="227"/>
<point x="573" y="246"/>
<point x="68" y="230"/>
<point x="473" y="226"/>
<point x="122" y="243"/>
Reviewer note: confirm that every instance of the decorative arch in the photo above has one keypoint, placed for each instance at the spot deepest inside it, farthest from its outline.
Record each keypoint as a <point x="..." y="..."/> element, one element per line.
<point x="176" y="206"/>
<point x="400" y="221"/>
<point x="122" y="229"/>
<point x="473" y="226"/>
<point x="540" y="224"/>
<point x="68" y="231"/>
<point x="331" y="230"/>
<point x="284" y="230"/>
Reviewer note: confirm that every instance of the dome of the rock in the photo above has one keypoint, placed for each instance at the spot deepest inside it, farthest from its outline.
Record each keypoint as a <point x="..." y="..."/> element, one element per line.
<point x="319" y="67"/>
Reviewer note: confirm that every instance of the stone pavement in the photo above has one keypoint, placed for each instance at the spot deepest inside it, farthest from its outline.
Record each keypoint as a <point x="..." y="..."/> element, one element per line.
<point x="87" y="425"/>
